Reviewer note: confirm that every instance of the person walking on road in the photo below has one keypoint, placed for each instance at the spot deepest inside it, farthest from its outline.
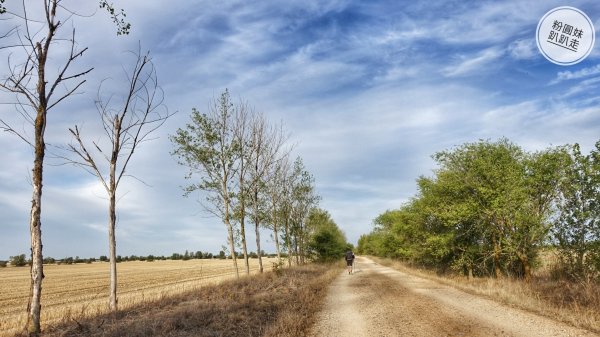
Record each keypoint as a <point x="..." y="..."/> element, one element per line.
<point x="349" y="260"/>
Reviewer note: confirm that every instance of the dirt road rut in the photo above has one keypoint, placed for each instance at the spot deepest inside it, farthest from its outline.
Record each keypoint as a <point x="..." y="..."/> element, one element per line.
<point x="380" y="301"/>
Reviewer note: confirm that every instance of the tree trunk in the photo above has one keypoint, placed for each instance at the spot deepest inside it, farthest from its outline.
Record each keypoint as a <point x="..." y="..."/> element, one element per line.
<point x="296" y="250"/>
<point x="526" y="267"/>
<point x="232" y="248"/>
<point x="256" y="228"/>
<point x="112" y="251"/>
<point x="497" y="270"/>
<point x="288" y="240"/>
<point x="244" y="246"/>
<point x="301" y="243"/>
<point x="34" y="306"/>
<point x="112" y="215"/>
<point x="225" y="195"/>
<point x="275" y="232"/>
<point x="260" y="264"/>
<point x="276" y="236"/>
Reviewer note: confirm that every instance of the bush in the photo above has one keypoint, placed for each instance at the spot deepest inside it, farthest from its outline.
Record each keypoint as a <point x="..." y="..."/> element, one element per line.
<point x="18" y="260"/>
<point x="3" y="264"/>
<point x="328" y="244"/>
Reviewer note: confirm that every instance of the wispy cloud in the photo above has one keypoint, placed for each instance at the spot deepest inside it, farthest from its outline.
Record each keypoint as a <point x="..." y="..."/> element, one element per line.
<point x="475" y="63"/>
<point x="523" y="49"/>
<point x="573" y="75"/>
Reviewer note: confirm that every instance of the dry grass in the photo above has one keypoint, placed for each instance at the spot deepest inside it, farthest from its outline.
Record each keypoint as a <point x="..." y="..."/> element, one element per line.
<point x="572" y="302"/>
<point x="271" y="304"/>
<point x="77" y="291"/>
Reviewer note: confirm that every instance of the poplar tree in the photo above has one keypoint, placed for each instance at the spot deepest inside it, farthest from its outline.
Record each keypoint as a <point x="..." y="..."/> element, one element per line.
<point x="209" y="148"/>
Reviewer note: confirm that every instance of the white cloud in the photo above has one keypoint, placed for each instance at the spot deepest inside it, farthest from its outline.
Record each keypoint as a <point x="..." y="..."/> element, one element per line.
<point x="523" y="49"/>
<point x="573" y="75"/>
<point x="470" y="64"/>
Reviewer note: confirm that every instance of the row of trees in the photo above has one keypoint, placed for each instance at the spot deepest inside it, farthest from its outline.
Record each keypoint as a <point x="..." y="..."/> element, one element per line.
<point x="491" y="207"/>
<point x="241" y="168"/>
<point x="21" y="260"/>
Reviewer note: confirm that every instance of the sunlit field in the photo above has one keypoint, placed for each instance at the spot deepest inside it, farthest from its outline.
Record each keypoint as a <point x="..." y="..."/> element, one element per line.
<point x="73" y="291"/>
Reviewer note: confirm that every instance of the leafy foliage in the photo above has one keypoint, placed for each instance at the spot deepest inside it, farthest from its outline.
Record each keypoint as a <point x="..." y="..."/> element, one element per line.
<point x="18" y="260"/>
<point x="327" y="242"/>
<point x="487" y="211"/>
<point x="118" y="18"/>
<point x="577" y="228"/>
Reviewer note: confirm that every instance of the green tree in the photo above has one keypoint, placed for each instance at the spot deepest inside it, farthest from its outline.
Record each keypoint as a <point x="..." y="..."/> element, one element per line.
<point x="18" y="260"/>
<point x="303" y="198"/>
<point x="488" y="208"/>
<point x="327" y="242"/>
<point x="209" y="148"/>
<point x="577" y="229"/>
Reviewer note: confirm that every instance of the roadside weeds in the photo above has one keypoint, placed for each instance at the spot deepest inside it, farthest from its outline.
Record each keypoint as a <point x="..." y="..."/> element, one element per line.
<point x="283" y="303"/>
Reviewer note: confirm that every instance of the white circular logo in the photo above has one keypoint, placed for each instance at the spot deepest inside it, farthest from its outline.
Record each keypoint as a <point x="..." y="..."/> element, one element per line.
<point x="565" y="35"/>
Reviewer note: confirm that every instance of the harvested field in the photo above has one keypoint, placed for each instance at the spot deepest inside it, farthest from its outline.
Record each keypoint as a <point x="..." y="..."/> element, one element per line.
<point x="81" y="290"/>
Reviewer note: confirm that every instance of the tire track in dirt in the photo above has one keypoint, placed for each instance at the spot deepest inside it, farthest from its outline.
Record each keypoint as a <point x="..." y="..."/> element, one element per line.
<point x="380" y="301"/>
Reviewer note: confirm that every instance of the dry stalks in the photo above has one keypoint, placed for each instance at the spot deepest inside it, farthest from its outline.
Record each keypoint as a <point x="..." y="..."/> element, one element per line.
<point x="269" y="304"/>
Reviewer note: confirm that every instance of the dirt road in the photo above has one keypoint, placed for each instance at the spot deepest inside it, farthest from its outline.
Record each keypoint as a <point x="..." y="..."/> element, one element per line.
<point x="380" y="301"/>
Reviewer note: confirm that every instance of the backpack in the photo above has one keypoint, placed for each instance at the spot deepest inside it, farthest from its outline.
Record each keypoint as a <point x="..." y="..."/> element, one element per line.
<point x="349" y="256"/>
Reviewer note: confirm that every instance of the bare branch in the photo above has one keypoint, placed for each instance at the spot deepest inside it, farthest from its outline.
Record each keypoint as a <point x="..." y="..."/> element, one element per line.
<point x="67" y="94"/>
<point x="86" y="159"/>
<point x="5" y="127"/>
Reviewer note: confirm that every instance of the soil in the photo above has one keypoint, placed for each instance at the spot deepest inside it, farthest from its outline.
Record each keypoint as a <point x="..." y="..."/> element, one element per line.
<point x="379" y="301"/>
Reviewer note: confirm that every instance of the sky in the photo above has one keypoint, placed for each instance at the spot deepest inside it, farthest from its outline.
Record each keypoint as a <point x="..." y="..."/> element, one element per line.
<point x="368" y="91"/>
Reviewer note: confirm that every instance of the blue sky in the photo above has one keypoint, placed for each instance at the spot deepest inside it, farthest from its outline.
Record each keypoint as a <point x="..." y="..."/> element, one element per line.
<point x="368" y="90"/>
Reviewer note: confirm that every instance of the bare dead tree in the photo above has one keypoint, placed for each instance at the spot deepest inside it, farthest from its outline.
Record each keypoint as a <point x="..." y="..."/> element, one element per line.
<point x="36" y="92"/>
<point x="265" y="144"/>
<point x="126" y="127"/>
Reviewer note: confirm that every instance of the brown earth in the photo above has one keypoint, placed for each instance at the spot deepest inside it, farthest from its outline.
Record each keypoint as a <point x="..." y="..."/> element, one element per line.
<point x="380" y="301"/>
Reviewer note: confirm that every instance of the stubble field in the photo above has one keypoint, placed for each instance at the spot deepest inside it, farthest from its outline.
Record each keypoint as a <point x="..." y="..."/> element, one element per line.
<point x="81" y="290"/>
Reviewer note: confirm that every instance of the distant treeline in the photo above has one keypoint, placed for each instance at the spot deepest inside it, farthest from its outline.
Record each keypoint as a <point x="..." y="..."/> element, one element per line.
<point x="21" y="260"/>
<point x="492" y="207"/>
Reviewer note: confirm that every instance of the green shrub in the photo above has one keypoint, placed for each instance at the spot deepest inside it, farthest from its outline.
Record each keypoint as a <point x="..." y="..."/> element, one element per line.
<point x="18" y="260"/>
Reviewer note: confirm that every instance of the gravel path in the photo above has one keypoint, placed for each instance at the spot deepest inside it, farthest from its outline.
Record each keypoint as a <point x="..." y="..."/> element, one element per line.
<point x="380" y="301"/>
